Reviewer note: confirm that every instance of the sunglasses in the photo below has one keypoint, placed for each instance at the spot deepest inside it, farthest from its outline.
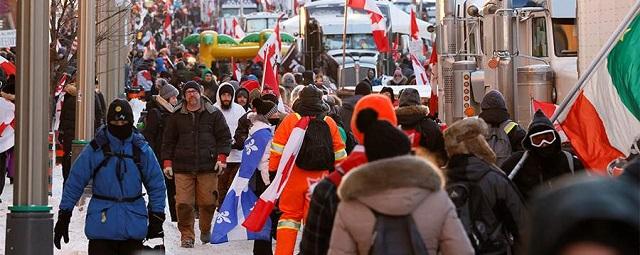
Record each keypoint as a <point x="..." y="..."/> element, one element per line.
<point x="540" y="138"/>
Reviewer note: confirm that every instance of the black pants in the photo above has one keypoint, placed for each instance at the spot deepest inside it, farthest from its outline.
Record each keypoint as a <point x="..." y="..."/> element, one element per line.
<point x="264" y="247"/>
<point x="67" y="143"/>
<point x="171" y="196"/>
<point x="112" y="247"/>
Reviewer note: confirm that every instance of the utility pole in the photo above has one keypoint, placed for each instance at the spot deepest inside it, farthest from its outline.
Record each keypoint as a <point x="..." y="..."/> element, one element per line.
<point x="29" y="222"/>
<point x="86" y="75"/>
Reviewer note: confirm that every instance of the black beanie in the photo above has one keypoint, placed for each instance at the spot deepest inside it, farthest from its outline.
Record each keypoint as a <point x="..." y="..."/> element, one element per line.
<point x="409" y="97"/>
<point x="119" y="109"/>
<point x="493" y="100"/>
<point x="191" y="85"/>
<point x="381" y="139"/>
<point x="265" y="107"/>
<point x="270" y="97"/>
<point x="10" y="86"/>
<point x="363" y="88"/>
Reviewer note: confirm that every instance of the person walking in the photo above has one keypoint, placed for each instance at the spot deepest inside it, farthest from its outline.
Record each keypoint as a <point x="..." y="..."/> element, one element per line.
<point x="119" y="162"/>
<point x="505" y="135"/>
<point x="196" y="142"/>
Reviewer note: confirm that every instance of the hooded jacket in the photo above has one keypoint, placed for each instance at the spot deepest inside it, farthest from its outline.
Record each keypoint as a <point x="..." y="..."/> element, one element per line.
<point x="158" y="111"/>
<point x="347" y="111"/>
<point x="397" y="186"/>
<point x="494" y="112"/>
<point x="472" y="160"/>
<point x="324" y="200"/>
<point x="592" y="209"/>
<point x="112" y="220"/>
<point x="232" y="116"/>
<point x="193" y="140"/>
<point x="543" y="164"/>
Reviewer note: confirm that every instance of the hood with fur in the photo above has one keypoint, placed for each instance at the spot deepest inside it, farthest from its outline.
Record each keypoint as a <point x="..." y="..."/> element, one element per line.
<point x="467" y="136"/>
<point x="409" y="116"/>
<point x="393" y="186"/>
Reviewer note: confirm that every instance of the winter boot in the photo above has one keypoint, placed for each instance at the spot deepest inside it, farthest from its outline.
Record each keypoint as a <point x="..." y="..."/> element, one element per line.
<point x="188" y="243"/>
<point x="205" y="237"/>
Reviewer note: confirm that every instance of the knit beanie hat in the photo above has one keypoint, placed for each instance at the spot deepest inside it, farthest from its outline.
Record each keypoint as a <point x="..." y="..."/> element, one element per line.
<point x="363" y="88"/>
<point x="310" y="102"/>
<point x="225" y="88"/>
<point x="192" y="85"/>
<point x="493" y="100"/>
<point x="381" y="105"/>
<point x="167" y="91"/>
<point x="119" y="109"/>
<point x="264" y="107"/>
<point x="409" y="97"/>
<point x="381" y="139"/>
<point x="242" y="92"/>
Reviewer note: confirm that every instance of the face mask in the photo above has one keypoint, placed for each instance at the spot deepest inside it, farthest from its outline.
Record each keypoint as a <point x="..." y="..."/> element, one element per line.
<point x="121" y="132"/>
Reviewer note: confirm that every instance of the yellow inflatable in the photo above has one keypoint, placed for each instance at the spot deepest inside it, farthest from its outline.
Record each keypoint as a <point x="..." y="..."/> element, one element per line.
<point x="214" y="46"/>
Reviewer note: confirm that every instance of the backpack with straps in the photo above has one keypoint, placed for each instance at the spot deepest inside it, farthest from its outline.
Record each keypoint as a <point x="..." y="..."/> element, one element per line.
<point x="108" y="154"/>
<point x="483" y="228"/>
<point x="498" y="140"/>
<point x="396" y="235"/>
<point x="316" y="152"/>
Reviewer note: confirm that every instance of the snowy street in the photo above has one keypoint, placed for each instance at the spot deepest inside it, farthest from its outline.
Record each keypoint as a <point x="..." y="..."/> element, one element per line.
<point x="78" y="242"/>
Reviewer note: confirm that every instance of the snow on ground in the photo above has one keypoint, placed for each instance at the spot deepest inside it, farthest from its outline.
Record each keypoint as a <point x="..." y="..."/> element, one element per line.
<point x="78" y="242"/>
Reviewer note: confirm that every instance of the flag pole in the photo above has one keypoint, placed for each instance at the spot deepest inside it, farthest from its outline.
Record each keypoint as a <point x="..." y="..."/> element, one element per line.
<point x="604" y="51"/>
<point x="344" y="44"/>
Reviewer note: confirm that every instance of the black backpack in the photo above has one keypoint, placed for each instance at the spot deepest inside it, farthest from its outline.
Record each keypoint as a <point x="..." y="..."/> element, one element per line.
<point x="483" y="228"/>
<point x="396" y="235"/>
<point x="316" y="153"/>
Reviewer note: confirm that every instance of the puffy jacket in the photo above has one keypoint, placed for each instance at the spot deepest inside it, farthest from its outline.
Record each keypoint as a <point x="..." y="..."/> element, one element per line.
<point x="397" y="186"/>
<point x="109" y="219"/>
<point x="193" y="140"/>
<point x="501" y="194"/>
<point x="232" y="116"/>
<point x="158" y="111"/>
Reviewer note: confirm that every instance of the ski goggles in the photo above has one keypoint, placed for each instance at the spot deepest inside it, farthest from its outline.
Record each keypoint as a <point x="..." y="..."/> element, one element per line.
<point x="540" y="138"/>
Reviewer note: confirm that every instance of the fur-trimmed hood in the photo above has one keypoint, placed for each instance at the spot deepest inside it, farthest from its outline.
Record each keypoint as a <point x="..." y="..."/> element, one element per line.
<point x="71" y="89"/>
<point x="467" y="137"/>
<point x="394" y="186"/>
<point x="408" y="116"/>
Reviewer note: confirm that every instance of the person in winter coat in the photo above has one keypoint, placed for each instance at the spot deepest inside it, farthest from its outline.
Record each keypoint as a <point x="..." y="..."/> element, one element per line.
<point x="232" y="113"/>
<point x="295" y="94"/>
<point x="196" y="143"/>
<point x="294" y="200"/>
<point x="546" y="158"/>
<point x="362" y="89"/>
<point x="426" y="138"/>
<point x="397" y="186"/>
<point x="117" y="218"/>
<point x="101" y="107"/>
<point x="158" y="111"/>
<point x="210" y="85"/>
<point x="398" y="79"/>
<point x="324" y="200"/>
<point x="472" y="161"/>
<point x="387" y="91"/>
<point x="494" y="113"/>
<point x="288" y="81"/>
<point x="242" y="98"/>
<point x="586" y="215"/>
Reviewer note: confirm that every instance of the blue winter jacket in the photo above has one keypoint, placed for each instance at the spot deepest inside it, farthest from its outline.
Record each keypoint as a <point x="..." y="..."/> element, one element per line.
<point x="109" y="219"/>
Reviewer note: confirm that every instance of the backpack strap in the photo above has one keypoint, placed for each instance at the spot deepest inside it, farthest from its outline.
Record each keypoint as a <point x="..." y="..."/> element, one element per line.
<point x="107" y="153"/>
<point x="570" y="161"/>
<point x="509" y="126"/>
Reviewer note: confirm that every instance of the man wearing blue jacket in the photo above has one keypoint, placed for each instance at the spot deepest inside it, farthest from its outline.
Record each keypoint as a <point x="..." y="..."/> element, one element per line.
<point x="119" y="161"/>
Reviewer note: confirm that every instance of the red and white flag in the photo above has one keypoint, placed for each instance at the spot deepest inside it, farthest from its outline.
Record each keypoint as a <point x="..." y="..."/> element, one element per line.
<point x="237" y="29"/>
<point x="418" y="70"/>
<point x="270" y="54"/>
<point x="261" y="211"/>
<point x="236" y="73"/>
<point x="8" y="67"/>
<point x="166" y="26"/>
<point x="378" y="21"/>
<point x="7" y="124"/>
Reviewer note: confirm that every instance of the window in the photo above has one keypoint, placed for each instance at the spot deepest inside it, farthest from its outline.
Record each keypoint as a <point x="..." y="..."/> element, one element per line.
<point x="539" y="44"/>
<point x="565" y="37"/>
<point x="354" y="41"/>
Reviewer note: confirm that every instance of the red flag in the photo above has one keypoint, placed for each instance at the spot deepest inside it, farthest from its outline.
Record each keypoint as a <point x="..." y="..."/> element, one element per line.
<point x="270" y="55"/>
<point x="414" y="26"/>
<point x="418" y="69"/>
<point x="236" y="31"/>
<point x="8" y="67"/>
<point x="547" y="108"/>
<point x="167" y="26"/>
<point x="378" y="22"/>
<point x="434" y="54"/>
<point x="396" y="53"/>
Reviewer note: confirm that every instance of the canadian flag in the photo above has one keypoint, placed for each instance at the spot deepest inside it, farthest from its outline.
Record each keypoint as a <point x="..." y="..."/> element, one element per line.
<point x="237" y="29"/>
<point x="271" y="56"/>
<point x="378" y="22"/>
<point x="167" y="26"/>
<point x="418" y="70"/>
<point x="8" y="67"/>
<point x="236" y="73"/>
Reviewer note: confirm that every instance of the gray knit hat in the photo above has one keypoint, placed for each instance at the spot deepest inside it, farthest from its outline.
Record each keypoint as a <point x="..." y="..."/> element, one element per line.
<point x="167" y="91"/>
<point x="493" y="100"/>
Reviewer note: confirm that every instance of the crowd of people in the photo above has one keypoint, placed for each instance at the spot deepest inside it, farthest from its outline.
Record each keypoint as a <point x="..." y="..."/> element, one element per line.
<point x="369" y="173"/>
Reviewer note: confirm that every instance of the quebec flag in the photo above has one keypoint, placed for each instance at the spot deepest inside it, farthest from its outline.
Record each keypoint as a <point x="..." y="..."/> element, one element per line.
<point x="240" y="199"/>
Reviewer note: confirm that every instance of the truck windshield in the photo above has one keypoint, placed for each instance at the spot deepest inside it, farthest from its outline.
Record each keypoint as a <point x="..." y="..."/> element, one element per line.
<point x="565" y="37"/>
<point x="333" y="10"/>
<point x="354" y="42"/>
<point x="257" y="25"/>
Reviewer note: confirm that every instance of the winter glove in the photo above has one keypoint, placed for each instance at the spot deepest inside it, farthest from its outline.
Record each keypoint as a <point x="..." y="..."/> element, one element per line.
<point x="168" y="172"/>
<point x="221" y="164"/>
<point x="62" y="228"/>
<point x="155" y="225"/>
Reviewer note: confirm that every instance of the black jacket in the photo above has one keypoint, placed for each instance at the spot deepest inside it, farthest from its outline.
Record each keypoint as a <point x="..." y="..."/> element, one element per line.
<point x="348" y="106"/>
<point x="193" y="140"/>
<point x="500" y="192"/>
<point x="242" y="132"/>
<point x="323" y="205"/>
<point x="100" y="110"/>
<point x="154" y="125"/>
<point x="543" y="164"/>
